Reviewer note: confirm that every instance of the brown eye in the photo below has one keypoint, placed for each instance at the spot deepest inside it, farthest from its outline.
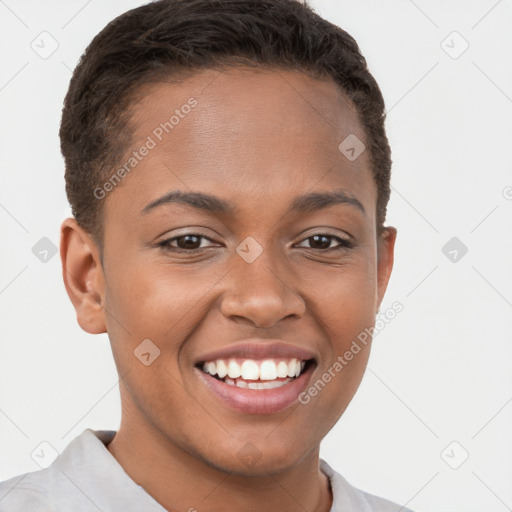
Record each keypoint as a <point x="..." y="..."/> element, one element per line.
<point x="189" y="242"/>
<point x="322" y="242"/>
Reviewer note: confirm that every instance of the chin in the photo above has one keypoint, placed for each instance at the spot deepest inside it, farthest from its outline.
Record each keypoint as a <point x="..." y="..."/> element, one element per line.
<point x="254" y="459"/>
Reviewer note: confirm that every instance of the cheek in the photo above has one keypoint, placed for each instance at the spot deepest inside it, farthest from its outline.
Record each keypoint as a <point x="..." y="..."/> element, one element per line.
<point x="344" y="297"/>
<point x="150" y="314"/>
<point x="345" y="309"/>
<point x="155" y="302"/>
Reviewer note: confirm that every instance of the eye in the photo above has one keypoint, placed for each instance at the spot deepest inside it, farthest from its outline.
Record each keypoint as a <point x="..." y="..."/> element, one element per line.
<point x="188" y="242"/>
<point x="191" y="242"/>
<point x="322" y="242"/>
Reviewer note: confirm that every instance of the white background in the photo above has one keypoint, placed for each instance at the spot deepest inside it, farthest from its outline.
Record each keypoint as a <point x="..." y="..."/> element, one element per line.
<point x="439" y="372"/>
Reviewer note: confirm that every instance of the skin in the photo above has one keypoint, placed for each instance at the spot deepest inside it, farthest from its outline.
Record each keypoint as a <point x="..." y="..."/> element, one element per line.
<point x="258" y="139"/>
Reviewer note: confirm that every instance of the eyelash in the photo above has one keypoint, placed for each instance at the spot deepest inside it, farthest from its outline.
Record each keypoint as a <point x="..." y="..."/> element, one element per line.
<point x="166" y="244"/>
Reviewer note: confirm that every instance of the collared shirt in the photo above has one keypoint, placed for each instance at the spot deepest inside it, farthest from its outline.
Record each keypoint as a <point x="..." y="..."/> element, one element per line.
<point x="86" y="477"/>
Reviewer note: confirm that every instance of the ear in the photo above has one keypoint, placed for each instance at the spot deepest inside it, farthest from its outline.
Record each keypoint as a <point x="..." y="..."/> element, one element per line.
<point x="385" y="257"/>
<point x="83" y="276"/>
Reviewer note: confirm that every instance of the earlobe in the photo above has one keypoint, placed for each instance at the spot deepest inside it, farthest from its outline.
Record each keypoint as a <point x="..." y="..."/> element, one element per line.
<point x="83" y="276"/>
<point x="385" y="258"/>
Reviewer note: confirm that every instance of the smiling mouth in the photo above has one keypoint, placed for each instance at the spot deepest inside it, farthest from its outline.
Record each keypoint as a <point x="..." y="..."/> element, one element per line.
<point x="255" y="374"/>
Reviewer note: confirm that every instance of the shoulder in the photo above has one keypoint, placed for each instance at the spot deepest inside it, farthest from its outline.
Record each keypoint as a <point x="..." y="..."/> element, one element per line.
<point x="347" y="498"/>
<point x="26" y="492"/>
<point x="67" y="484"/>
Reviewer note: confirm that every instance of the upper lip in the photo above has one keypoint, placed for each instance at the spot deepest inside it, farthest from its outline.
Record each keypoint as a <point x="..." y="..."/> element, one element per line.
<point x="258" y="348"/>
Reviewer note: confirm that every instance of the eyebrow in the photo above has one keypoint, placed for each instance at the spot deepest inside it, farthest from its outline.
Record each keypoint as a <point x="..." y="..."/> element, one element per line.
<point x="307" y="203"/>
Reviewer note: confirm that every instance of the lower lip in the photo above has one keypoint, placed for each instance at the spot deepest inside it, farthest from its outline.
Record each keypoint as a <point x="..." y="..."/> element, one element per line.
<point x="258" y="401"/>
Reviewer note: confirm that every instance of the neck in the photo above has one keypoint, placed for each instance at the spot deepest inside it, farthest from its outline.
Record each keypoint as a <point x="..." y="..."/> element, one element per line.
<point x="180" y="481"/>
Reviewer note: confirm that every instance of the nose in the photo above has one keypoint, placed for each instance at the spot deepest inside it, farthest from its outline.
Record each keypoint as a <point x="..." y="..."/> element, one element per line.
<point x="261" y="293"/>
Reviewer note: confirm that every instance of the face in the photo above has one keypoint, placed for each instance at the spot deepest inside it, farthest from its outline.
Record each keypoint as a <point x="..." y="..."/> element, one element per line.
<point x="277" y="271"/>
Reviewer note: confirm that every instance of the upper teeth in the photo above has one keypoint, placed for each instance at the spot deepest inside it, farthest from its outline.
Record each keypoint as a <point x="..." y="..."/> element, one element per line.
<point x="251" y="369"/>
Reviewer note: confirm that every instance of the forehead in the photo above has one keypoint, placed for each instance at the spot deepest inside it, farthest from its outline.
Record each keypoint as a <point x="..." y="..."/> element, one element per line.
<point x="248" y="135"/>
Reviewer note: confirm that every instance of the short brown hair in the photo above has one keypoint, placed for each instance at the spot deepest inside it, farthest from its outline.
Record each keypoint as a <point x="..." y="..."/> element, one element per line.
<point x="169" y="37"/>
